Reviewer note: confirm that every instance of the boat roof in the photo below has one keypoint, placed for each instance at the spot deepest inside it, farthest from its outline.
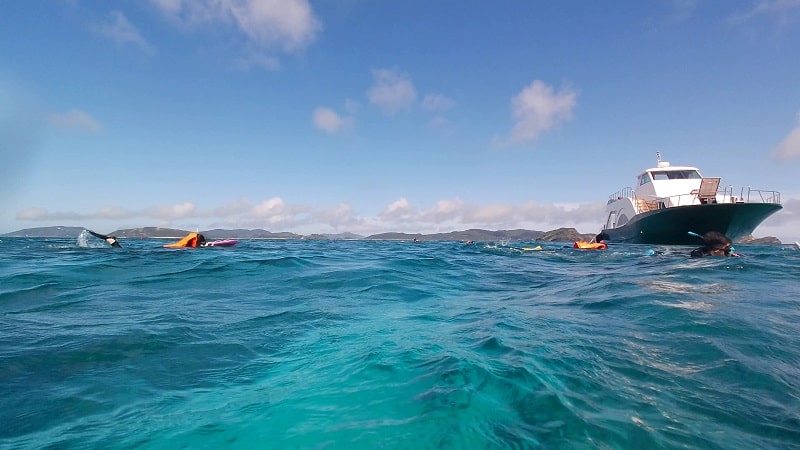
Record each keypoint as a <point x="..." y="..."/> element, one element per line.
<point x="671" y="168"/>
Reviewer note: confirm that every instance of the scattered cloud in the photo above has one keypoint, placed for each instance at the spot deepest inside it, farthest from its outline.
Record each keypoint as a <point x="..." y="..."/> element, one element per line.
<point x="446" y="215"/>
<point x="437" y="103"/>
<point x="391" y="91"/>
<point x="329" y="121"/>
<point x="289" y="25"/>
<point x="457" y="214"/>
<point x="442" y="211"/>
<point x="780" y="10"/>
<point x="439" y="122"/>
<point x="113" y="213"/>
<point x="492" y="213"/>
<point x="270" y="208"/>
<point x="683" y="10"/>
<point x="399" y="209"/>
<point x="37" y="214"/>
<point x="790" y="146"/>
<point x="120" y="30"/>
<point x="257" y="59"/>
<point x="179" y="211"/>
<point x="536" y="109"/>
<point x="351" y="106"/>
<point x="75" y="120"/>
<point x="784" y="224"/>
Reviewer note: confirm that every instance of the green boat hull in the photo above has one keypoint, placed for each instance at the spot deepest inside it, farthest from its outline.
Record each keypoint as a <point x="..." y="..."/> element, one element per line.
<point x="671" y="226"/>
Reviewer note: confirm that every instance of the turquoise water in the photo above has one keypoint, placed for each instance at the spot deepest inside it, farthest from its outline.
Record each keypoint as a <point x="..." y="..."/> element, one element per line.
<point x="396" y="345"/>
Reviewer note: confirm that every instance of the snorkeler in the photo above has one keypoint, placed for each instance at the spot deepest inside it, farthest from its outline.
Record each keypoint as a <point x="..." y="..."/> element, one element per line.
<point x="110" y="239"/>
<point x="714" y="244"/>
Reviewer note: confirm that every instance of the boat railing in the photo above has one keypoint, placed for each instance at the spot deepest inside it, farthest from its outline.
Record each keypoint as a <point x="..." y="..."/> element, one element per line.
<point x="724" y="195"/>
<point x="761" y="196"/>
<point x="626" y="192"/>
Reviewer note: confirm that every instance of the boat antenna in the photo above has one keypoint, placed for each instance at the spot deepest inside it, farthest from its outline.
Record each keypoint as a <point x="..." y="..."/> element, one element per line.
<point x="658" y="156"/>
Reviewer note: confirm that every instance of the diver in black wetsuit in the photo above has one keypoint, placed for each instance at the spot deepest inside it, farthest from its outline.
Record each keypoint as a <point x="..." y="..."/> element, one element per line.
<point x="110" y="239"/>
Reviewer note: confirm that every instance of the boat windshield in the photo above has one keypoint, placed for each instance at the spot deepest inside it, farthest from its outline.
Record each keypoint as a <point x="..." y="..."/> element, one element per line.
<point x="675" y="175"/>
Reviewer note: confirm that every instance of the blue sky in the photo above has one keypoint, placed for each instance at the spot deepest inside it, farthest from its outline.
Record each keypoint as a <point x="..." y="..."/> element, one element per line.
<point x="373" y="116"/>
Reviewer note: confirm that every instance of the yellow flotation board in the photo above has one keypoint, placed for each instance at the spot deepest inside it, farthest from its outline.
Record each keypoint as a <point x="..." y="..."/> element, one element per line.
<point x="590" y="245"/>
<point x="190" y="240"/>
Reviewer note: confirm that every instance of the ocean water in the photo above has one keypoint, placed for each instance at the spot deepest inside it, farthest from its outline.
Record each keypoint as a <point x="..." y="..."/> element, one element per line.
<point x="396" y="345"/>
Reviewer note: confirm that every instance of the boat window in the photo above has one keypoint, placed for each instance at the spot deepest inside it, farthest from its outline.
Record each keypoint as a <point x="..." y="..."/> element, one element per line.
<point x="623" y="219"/>
<point x="676" y="175"/>
<point x="644" y="178"/>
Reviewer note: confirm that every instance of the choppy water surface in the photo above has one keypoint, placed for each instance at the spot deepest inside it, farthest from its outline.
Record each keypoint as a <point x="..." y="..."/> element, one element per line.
<point x="362" y="344"/>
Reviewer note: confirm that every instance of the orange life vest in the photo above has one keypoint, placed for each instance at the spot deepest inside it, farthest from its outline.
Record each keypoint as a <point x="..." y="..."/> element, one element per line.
<point x="590" y="245"/>
<point x="190" y="240"/>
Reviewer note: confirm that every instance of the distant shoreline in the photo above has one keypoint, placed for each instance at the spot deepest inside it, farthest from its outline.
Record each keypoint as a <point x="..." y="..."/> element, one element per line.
<point x="476" y="235"/>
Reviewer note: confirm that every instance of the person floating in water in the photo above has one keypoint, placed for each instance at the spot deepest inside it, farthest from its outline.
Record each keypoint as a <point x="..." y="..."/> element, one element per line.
<point x="110" y="239"/>
<point x="714" y="244"/>
<point x="191" y="240"/>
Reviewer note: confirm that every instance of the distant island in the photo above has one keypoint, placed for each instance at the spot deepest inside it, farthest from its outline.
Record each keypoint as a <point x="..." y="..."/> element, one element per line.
<point x="479" y="235"/>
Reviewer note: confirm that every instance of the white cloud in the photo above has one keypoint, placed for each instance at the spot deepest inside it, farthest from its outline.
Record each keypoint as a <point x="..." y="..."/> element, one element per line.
<point x="257" y="59"/>
<point x="113" y="213"/>
<point x="120" y="30"/>
<point x="437" y="103"/>
<point x="536" y="109"/>
<point x="75" y="120"/>
<point x="330" y="121"/>
<point x="270" y="208"/>
<point x="173" y="212"/>
<point x="33" y="214"/>
<point x="351" y="106"/>
<point x="780" y="10"/>
<point x="442" y="210"/>
<point x="790" y="146"/>
<point x="391" y="91"/>
<point x="340" y="218"/>
<point x="397" y="210"/>
<point x="233" y="208"/>
<point x="683" y="10"/>
<point x="445" y="215"/>
<point x="489" y="214"/>
<point x="286" y="24"/>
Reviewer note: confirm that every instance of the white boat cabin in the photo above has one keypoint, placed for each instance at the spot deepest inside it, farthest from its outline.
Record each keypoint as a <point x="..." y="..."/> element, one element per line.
<point x="663" y="187"/>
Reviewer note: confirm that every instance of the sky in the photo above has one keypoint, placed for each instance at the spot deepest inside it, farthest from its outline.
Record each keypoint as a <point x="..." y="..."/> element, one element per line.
<point x="362" y="116"/>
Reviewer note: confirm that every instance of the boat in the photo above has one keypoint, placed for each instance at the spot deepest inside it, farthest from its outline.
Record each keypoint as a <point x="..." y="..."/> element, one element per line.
<point x="671" y="205"/>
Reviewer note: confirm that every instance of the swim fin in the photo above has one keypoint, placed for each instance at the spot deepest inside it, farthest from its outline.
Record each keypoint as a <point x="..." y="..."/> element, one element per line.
<point x="110" y="239"/>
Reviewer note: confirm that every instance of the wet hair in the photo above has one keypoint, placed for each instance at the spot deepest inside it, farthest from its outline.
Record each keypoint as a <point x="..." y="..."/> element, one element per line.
<point x="716" y="240"/>
<point x="713" y="241"/>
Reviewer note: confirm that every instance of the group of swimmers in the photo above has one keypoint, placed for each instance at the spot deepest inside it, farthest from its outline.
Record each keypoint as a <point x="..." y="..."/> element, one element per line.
<point x="714" y="243"/>
<point x="191" y="240"/>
